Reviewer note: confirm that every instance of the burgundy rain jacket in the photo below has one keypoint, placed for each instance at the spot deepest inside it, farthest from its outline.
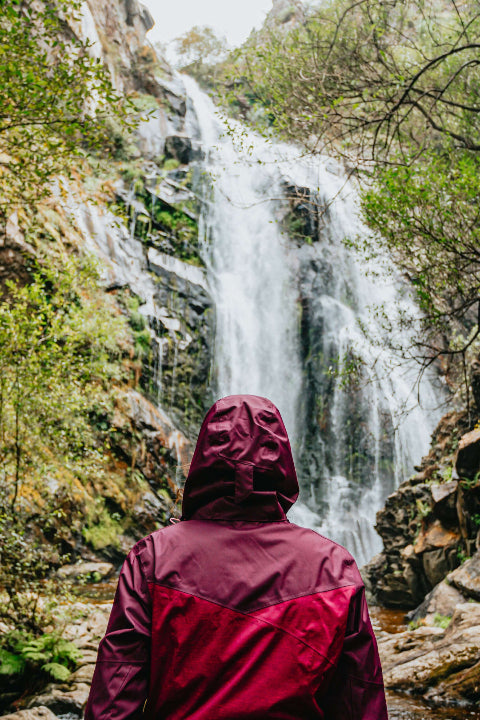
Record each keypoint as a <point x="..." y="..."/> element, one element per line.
<point x="235" y="613"/>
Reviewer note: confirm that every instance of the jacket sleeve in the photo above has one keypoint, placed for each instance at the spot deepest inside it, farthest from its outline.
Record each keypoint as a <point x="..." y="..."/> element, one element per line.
<point x="356" y="690"/>
<point x="120" y="681"/>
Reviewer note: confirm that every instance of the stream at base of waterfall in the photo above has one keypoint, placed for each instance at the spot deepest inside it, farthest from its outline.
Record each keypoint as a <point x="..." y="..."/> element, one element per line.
<point x="294" y="317"/>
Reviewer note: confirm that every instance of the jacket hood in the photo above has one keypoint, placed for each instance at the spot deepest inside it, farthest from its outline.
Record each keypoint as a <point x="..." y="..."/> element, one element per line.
<point x="242" y="467"/>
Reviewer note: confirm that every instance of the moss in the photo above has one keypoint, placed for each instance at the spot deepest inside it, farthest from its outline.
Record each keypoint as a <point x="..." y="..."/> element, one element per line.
<point x="171" y="164"/>
<point x="102" y="530"/>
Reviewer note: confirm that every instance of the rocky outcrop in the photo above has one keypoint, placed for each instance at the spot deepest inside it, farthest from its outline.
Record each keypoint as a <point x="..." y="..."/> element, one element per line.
<point x="430" y="524"/>
<point x="466" y="578"/>
<point x="285" y="14"/>
<point x="429" y="528"/>
<point x="149" y="441"/>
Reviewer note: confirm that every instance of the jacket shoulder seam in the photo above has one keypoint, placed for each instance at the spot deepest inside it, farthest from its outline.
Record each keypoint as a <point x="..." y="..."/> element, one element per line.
<point x="306" y="594"/>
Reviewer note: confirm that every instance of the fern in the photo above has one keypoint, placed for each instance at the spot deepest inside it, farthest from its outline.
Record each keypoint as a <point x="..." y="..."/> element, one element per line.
<point x="11" y="664"/>
<point x="57" y="671"/>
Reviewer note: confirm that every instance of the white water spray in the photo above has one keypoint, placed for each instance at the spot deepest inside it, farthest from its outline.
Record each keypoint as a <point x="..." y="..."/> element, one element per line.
<point x="251" y="278"/>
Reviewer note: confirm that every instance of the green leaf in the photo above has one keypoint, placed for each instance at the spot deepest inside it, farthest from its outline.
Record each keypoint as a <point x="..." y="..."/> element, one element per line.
<point x="57" y="671"/>
<point x="11" y="664"/>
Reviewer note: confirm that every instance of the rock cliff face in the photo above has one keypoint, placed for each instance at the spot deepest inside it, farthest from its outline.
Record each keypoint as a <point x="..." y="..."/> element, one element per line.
<point x="431" y="563"/>
<point x="430" y="524"/>
<point x="139" y="217"/>
<point x="154" y="252"/>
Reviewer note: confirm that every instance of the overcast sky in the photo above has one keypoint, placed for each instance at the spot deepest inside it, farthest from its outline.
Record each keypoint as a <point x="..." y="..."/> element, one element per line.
<point x="232" y="18"/>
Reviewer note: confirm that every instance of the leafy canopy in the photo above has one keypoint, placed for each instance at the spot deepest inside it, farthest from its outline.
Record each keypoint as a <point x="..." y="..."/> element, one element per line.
<point x="199" y="51"/>
<point x="56" y="97"/>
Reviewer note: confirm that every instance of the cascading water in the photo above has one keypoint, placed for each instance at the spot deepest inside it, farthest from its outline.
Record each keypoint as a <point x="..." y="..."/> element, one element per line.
<point x="358" y="446"/>
<point x="250" y="275"/>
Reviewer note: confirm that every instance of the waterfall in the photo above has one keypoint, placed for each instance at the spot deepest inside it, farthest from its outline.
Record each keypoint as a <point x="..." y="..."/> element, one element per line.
<point x="250" y="271"/>
<point x="362" y="443"/>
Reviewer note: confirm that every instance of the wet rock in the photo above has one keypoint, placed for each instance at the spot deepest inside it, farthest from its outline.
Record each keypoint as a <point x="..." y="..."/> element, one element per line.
<point x="93" y="571"/>
<point x="435" y="535"/>
<point x="178" y="147"/>
<point x="36" y="713"/>
<point x="151" y="510"/>
<point x="185" y="328"/>
<point x="176" y="196"/>
<point x="428" y="660"/>
<point x="442" y="600"/>
<point x="63" y="698"/>
<point x="467" y="461"/>
<point x="466" y="578"/>
<point x="444" y="496"/>
<point x="150" y="440"/>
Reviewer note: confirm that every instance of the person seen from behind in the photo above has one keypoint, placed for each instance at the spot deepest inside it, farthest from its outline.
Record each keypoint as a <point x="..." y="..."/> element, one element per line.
<point x="235" y="613"/>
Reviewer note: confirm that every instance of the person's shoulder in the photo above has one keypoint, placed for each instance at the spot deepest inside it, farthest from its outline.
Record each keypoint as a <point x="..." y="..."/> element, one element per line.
<point x="330" y="553"/>
<point x="144" y="550"/>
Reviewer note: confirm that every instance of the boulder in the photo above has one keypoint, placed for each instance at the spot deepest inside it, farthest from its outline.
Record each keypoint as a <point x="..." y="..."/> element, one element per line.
<point x="179" y="147"/>
<point x="92" y="571"/>
<point x="444" y="496"/>
<point x="36" y="713"/>
<point x="466" y="578"/>
<point x="64" y="698"/>
<point x="435" y="536"/>
<point x="467" y="461"/>
<point x="438" y="547"/>
<point x="437" y="563"/>
<point x="442" y="600"/>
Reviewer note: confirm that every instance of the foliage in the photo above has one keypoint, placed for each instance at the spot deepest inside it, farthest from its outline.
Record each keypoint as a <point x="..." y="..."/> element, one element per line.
<point x="427" y="214"/>
<point x="476" y="520"/>
<point x="462" y="556"/>
<point x="199" y="51"/>
<point x="369" y="74"/>
<point x="21" y="654"/>
<point x="442" y="621"/>
<point x="423" y="509"/>
<point x="470" y="483"/>
<point x="58" y="347"/>
<point x="101" y="529"/>
<point x="57" y="99"/>
<point x="394" y="89"/>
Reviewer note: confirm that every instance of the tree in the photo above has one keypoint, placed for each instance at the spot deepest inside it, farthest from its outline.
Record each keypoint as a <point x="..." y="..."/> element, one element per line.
<point x="393" y="88"/>
<point x="55" y="98"/>
<point x="199" y="51"/>
<point x="57" y="349"/>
